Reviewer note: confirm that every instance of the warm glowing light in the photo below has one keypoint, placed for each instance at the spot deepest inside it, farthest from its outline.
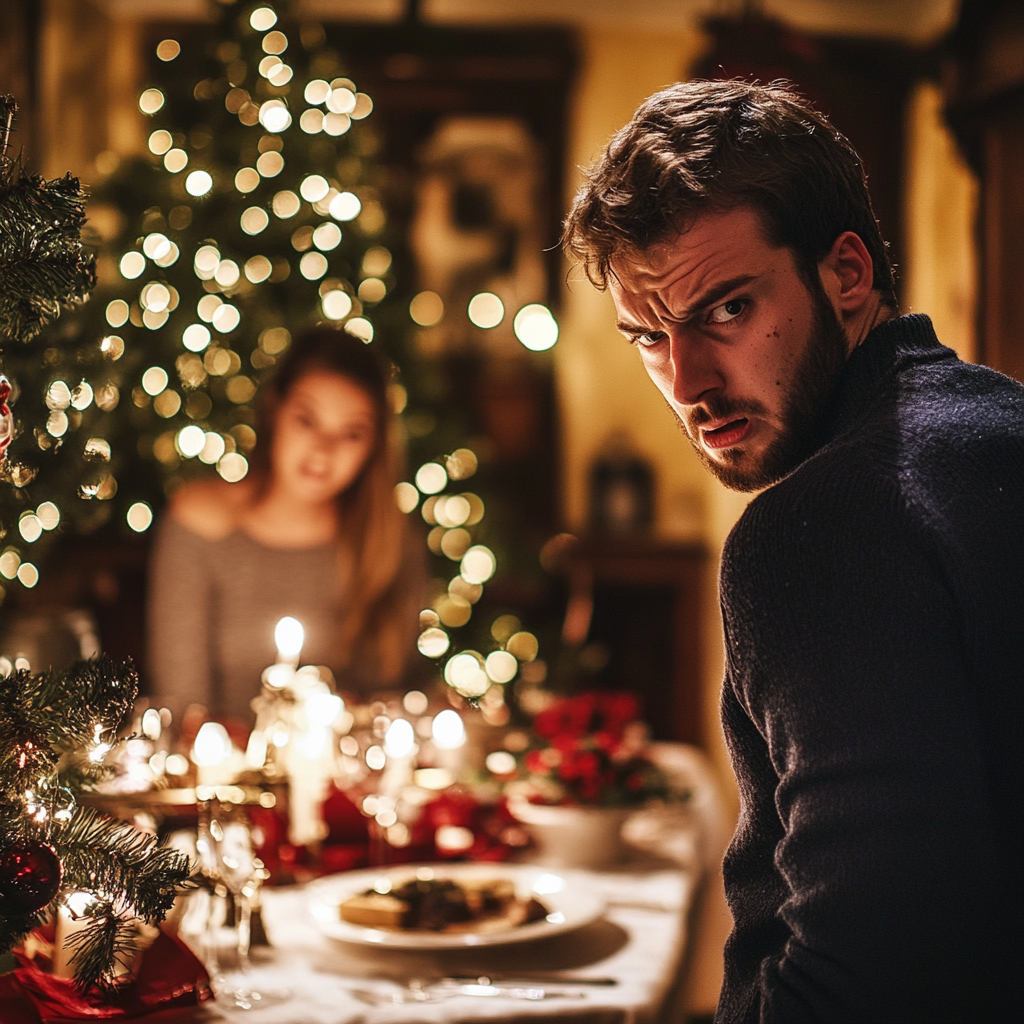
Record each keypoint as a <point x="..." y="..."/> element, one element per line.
<point x="247" y="179"/>
<point x="208" y="305"/>
<point x="254" y="220"/>
<point x="258" y="269"/>
<point x="433" y="643"/>
<point x="275" y="42"/>
<point x="233" y="467"/>
<point x="345" y="206"/>
<point x="312" y="121"/>
<point x="286" y="204"/>
<point x="131" y="266"/>
<point x="207" y="259"/>
<point x="168" y="49"/>
<point x="486" y="310"/>
<point x="213" y="448"/>
<point x="363" y="107"/>
<point x="376" y="758"/>
<point x="160" y="141"/>
<point x="415" y="702"/>
<point x="176" y="160"/>
<point x="337" y="124"/>
<point x="226" y="318"/>
<point x="155" y="297"/>
<point x="523" y="646"/>
<point x="82" y="396"/>
<point x="140" y="518"/>
<point x="117" y="312"/>
<point x="151" y="724"/>
<point x="501" y="762"/>
<point x="263" y="18"/>
<point x="57" y="423"/>
<point x="465" y="673"/>
<point x="156" y="245"/>
<point x="447" y="730"/>
<point x="535" y="327"/>
<point x="400" y="739"/>
<point x="274" y="116"/>
<point x="176" y="764"/>
<point x="9" y="562"/>
<point x="112" y="347"/>
<point x="195" y="337"/>
<point x="28" y="575"/>
<point x="154" y="380"/>
<point x="289" y="637"/>
<point x="169" y="257"/>
<point x="280" y="74"/>
<point x="190" y="441"/>
<point x="30" y="527"/>
<point x="361" y="328"/>
<point x="341" y="101"/>
<point x="327" y="236"/>
<point x="478" y="564"/>
<point x="431" y="478"/>
<point x="313" y="188"/>
<point x="316" y="91"/>
<point x="373" y="289"/>
<point x="58" y="395"/>
<point x="324" y="708"/>
<point x="212" y="745"/>
<point x="501" y="666"/>
<point x="336" y="304"/>
<point x="49" y="515"/>
<point x="274" y="340"/>
<point x="151" y="101"/>
<point x="96" y="448"/>
<point x="227" y="273"/>
<point x="313" y="266"/>
<point x="270" y="164"/>
<point x="198" y="183"/>
<point x="406" y="496"/>
<point x="453" y="511"/>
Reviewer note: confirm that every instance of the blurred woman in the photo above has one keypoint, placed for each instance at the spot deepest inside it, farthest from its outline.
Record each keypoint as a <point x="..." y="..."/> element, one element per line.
<point x="312" y="532"/>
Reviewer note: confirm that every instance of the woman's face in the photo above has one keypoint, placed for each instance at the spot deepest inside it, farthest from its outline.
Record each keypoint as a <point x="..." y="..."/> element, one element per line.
<point x="325" y="430"/>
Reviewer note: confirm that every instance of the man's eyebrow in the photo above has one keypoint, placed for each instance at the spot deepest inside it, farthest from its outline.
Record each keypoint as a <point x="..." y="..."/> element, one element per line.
<point x="702" y="301"/>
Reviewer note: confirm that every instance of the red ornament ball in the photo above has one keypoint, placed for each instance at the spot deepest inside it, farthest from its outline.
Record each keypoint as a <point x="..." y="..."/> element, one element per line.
<point x="30" y="876"/>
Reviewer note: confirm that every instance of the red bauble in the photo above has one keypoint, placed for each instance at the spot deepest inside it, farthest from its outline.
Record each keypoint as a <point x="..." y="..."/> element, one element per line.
<point x="30" y="876"/>
<point x="6" y="419"/>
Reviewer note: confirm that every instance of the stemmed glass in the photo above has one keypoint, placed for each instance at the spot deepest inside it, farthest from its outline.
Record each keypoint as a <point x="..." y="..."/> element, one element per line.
<point x="226" y="853"/>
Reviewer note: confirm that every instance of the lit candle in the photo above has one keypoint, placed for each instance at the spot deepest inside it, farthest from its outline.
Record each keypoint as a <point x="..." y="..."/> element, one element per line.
<point x="289" y="637"/>
<point x="449" y="735"/>
<point x="210" y="754"/>
<point x="71" y="919"/>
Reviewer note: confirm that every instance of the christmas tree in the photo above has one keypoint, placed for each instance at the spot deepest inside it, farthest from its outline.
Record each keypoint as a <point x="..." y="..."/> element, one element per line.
<point x="256" y="212"/>
<point x="55" y="728"/>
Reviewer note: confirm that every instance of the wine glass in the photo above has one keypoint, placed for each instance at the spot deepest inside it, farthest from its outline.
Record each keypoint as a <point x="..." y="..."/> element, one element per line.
<point x="226" y="853"/>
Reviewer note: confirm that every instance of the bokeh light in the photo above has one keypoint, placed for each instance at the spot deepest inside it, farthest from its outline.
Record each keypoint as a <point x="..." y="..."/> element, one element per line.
<point x="535" y="327"/>
<point x="426" y="309"/>
<point x="168" y="49"/>
<point x="263" y="18"/>
<point x="233" y="467"/>
<point x="198" y="183"/>
<point x="486" y="310"/>
<point x="406" y="496"/>
<point x="345" y="206"/>
<point x="501" y="666"/>
<point x="361" y="328"/>
<point x="117" y="313"/>
<point x="433" y="642"/>
<point x="254" y="220"/>
<point x="336" y="304"/>
<point x="140" y="517"/>
<point x="447" y="730"/>
<point x="274" y="116"/>
<point x="478" y="564"/>
<point x="151" y="101"/>
<point x="132" y="265"/>
<point x="431" y="478"/>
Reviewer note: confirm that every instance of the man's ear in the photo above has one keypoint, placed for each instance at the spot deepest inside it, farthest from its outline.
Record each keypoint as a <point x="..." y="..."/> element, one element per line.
<point x="848" y="275"/>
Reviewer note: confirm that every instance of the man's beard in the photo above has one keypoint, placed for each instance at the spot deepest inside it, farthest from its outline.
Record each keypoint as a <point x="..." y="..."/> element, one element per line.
<point x="805" y="405"/>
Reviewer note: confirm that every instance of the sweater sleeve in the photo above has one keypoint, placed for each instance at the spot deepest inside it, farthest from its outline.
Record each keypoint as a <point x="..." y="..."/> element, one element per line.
<point x="846" y="652"/>
<point x="180" y="618"/>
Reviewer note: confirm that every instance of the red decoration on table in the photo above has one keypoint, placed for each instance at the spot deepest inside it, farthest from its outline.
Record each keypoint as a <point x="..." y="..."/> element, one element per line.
<point x="30" y="876"/>
<point x="6" y="418"/>
<point x="169" y="975"/>
<point x="590" y="749"/>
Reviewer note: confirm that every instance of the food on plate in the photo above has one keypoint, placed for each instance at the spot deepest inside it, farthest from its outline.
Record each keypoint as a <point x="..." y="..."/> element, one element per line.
<point x="444" y="905"/>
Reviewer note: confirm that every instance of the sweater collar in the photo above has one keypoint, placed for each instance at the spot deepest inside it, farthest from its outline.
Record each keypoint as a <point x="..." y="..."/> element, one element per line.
<point x="888" y="348"/>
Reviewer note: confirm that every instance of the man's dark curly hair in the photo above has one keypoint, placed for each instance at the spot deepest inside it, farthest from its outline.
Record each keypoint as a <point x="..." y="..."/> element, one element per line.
<point x="710" y="146"/>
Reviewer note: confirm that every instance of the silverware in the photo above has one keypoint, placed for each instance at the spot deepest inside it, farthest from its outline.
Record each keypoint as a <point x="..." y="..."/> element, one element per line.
<point x="550" y="977"/>
<point x="418" y="991"/>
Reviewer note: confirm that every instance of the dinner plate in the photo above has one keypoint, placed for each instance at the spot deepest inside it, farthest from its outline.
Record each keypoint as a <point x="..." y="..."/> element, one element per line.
<point x="569" y="905"/>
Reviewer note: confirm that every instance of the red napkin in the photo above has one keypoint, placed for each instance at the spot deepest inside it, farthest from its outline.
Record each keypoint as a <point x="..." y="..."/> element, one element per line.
<point x="169" y="975"/>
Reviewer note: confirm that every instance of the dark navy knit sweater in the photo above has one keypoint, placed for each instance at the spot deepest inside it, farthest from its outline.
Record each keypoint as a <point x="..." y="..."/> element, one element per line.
<point x="874" y="615"/>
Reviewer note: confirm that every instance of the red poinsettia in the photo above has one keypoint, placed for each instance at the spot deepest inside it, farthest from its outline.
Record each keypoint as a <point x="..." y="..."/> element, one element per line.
<point x="589" y="749"/>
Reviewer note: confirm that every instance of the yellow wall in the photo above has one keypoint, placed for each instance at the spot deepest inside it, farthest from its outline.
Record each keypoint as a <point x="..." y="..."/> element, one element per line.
<point x="940" y="277"/>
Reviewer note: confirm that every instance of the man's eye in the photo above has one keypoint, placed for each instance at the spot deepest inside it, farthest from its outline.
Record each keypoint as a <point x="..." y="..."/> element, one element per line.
<point x="651" y="338"/>
<point x="727" y="311"/>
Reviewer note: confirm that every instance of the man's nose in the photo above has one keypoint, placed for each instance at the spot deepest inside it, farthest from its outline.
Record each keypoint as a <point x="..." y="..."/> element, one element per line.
<point x="695" y="372"/>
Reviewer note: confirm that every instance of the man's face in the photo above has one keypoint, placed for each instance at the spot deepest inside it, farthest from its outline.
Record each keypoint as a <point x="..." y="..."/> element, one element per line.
<point x="744" y="353"/>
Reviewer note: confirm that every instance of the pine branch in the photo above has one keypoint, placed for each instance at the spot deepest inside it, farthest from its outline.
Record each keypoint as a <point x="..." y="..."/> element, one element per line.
<point x="43" y="267"/>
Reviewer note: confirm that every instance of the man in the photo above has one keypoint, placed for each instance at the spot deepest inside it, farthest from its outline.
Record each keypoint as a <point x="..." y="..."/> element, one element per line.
<point x="873" y="594"/>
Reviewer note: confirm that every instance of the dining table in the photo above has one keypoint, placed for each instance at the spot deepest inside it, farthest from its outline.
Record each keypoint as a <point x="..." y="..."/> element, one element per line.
<point x="622" y="963"/>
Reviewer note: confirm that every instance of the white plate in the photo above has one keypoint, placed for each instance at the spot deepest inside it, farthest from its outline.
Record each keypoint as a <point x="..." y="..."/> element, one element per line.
<point x="570" y="907"/>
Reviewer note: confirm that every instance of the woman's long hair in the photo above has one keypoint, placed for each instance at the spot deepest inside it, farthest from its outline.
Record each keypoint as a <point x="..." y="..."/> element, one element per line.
<point x="373" y="537"/>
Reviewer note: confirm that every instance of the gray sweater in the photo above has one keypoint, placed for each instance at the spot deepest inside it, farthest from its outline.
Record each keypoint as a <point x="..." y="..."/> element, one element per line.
<point x="874" y="612"/>
<point x="213" y="606"/>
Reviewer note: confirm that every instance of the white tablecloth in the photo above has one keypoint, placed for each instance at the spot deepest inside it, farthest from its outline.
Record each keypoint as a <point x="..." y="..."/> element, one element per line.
<point x="639" y="941"/>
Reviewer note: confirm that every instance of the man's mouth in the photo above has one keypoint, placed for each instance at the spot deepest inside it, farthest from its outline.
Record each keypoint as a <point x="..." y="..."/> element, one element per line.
<point x="726" y="435"/>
